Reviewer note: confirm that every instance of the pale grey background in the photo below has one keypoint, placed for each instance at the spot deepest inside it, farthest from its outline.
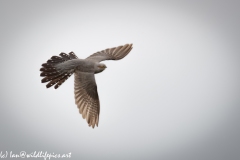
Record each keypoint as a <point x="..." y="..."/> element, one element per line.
<point x="174" y="97"/>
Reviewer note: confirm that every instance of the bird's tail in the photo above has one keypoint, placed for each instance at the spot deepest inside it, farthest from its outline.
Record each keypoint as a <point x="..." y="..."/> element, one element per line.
<point x="54" y="76"/>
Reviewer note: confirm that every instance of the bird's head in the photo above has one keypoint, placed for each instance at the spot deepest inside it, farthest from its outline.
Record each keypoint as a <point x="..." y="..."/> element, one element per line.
<point x="100" y="67"/>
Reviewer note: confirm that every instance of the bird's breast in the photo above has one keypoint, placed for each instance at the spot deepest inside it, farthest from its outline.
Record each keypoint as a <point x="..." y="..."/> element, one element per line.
<point x="85" y="66"/>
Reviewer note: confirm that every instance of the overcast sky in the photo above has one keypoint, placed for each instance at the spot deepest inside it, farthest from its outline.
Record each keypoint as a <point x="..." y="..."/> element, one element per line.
<point x="174" y="97"/>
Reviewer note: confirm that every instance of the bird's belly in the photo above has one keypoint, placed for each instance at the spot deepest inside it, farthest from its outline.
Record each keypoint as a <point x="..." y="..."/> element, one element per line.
<point x="85" y="67"/>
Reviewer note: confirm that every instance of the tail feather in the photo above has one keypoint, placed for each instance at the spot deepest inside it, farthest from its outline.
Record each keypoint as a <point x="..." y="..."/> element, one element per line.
<point x="72" y="56"/>
<point x="51" y="61"/>
<point x="49" y="78"/>
<point x="47" y="65"/>
<point x="64" y="56"/>
<point x="56" y="58"/>
<point x="51" y="74"/>
<point x="49" y="69"/>
<point x="53" y="82"/>
<point x="43" y="74"/>
<point x="62" y="80"/>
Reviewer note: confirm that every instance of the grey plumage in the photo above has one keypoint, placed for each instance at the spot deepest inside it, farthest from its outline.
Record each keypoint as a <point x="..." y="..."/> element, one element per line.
<point x="59" y="68"/>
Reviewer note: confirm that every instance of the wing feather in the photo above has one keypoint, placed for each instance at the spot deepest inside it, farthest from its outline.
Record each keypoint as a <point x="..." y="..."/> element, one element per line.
<point x="86" y="97"/>
<point x="115" y="53"/>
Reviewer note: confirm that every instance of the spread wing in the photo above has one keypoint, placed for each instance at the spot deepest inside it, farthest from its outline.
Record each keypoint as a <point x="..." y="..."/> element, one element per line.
<point x="86" y="97"/>
<point x="115" y="53"/>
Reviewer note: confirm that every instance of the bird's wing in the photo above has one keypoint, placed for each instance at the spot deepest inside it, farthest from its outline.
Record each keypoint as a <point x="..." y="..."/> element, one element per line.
<point x="86" y="97"/>
<point x="115" y="53"/>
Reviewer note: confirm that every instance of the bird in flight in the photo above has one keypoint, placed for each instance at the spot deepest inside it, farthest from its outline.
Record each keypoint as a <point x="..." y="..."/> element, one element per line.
<point x="59" y="68"/>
